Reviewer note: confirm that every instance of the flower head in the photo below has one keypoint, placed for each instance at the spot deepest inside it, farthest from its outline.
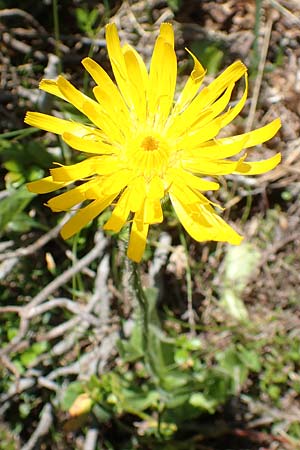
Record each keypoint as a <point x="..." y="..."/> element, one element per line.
<point x="142" y="146"/>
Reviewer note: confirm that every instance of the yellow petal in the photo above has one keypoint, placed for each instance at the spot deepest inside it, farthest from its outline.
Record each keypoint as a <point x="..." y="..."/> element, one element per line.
<point x="116" y="181"/>
<point x="106" y="85"/>
<point x="233" y="112"/>
<point x="120" y="214"/>
<point x="193" y="181"/>
<point x="162" y="77"/>
<point x="214" y="110"/>
<point x="89" y="144"/>
<point x="73" y="95"/>
<point x="254" y="137"/>
<point x="116" y="111"/>
<point x="191" y="87"/>
<point x="258" y="167"/>
<point x="156" y="188"/>
<point x="209" y="167"/>
<point x="138" y="81"/>
<point x="208" y="96"/>
<point x="111" y="184"/>
<point x="167" y="33"/>
<point x="96" y="114"/>
<point x="194" y="121"/>
<point x="109" y="165"/>
<point x="194" y="138"/>
<point x="230" y="75"/>
<point x="216" y="149"/>
<point x="152" y="211"/>
<point x="185" y="194"/>
<point x="143" y="72"/>
<point x="99" y="75"/>
<point x="137" y="194"/>
<point x="138" y="239"/>
<point x="202" y="223"/>
<point x="84" y="216"/>
<point x="45" y="185"/>
<point x="56" y="125"/>
<point x="118" y="62"/>
<point x="51" y="87"/>
<point x="74" y="172"/>
<point x="67" y="200"/>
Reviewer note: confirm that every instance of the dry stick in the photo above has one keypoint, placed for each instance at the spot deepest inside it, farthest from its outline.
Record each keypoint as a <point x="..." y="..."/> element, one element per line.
<point x="7" y="266"/>
<point x="39" y="243"/>
<point x="134" y="20"/>
<point x="51" y="287"/>
<point x="100" y="300"/>
<point x="10" y="12"/>
<point x="90" y="442"/>
<point x="69" y="273"/>
<point x="286" y="12"/>
<point x="101" y="322"/>
<point x="66" y="303"/>
<point x="59" y="330"/>
<point x="19" y="386"/>
<point x="5" y="244"/>
<point x="42" y="428"/>
<point x="88" y="362"/>
<point x="101" y="293"/>
<point x="159" y="260"/>
<point x="258" y="80"/>
<point x="10" y="366"/>
<point x="16" y="340"/>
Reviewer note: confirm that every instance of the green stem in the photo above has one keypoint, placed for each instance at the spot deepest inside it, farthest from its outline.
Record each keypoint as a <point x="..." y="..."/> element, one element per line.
<point x="19" y="134"/>
<point x="143" y="303"/>
<point x="144" y="306"/>
<point x="189" y="286"/>
<point x="149" y="358"/>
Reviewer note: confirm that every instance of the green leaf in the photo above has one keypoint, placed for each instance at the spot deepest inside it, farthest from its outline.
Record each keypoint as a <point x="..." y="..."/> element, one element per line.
<point x="29" y="355"/>
<point x="174" y="380"/>
<point x="27" y="358"/>
<point x="200" y="401"/>
<point x="11" y="333"/>
<point x="210" y="53"/>
<point x="40" y="347"/>
<point x="101" y="413"/>
<point x="132" y="350"/>
<point x="140" y="399"/>
<point x="232" y="364"/>
<point x="73" y="390"/>
<point x="250" y="358"/>
<point x="175" y="5"/>
<point x="12" y="205"/>
<point x="181" y="356"/>
<point x="22" y="223"/>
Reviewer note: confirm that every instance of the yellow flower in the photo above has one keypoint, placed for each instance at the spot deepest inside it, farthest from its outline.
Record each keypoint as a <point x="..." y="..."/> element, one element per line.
<point x="142" y="145"/>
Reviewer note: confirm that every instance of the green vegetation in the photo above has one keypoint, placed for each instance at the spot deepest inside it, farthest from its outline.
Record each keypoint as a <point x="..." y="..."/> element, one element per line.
<point x="203" y="353"/>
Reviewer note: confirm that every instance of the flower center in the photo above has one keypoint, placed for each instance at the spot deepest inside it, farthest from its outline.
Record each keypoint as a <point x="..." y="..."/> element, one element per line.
<point x="147" y="154"/>
<point x="150" y="143"/>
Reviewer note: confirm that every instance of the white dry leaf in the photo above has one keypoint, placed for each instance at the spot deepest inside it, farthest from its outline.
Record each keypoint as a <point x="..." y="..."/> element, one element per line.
<point x="240" y="264"/>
